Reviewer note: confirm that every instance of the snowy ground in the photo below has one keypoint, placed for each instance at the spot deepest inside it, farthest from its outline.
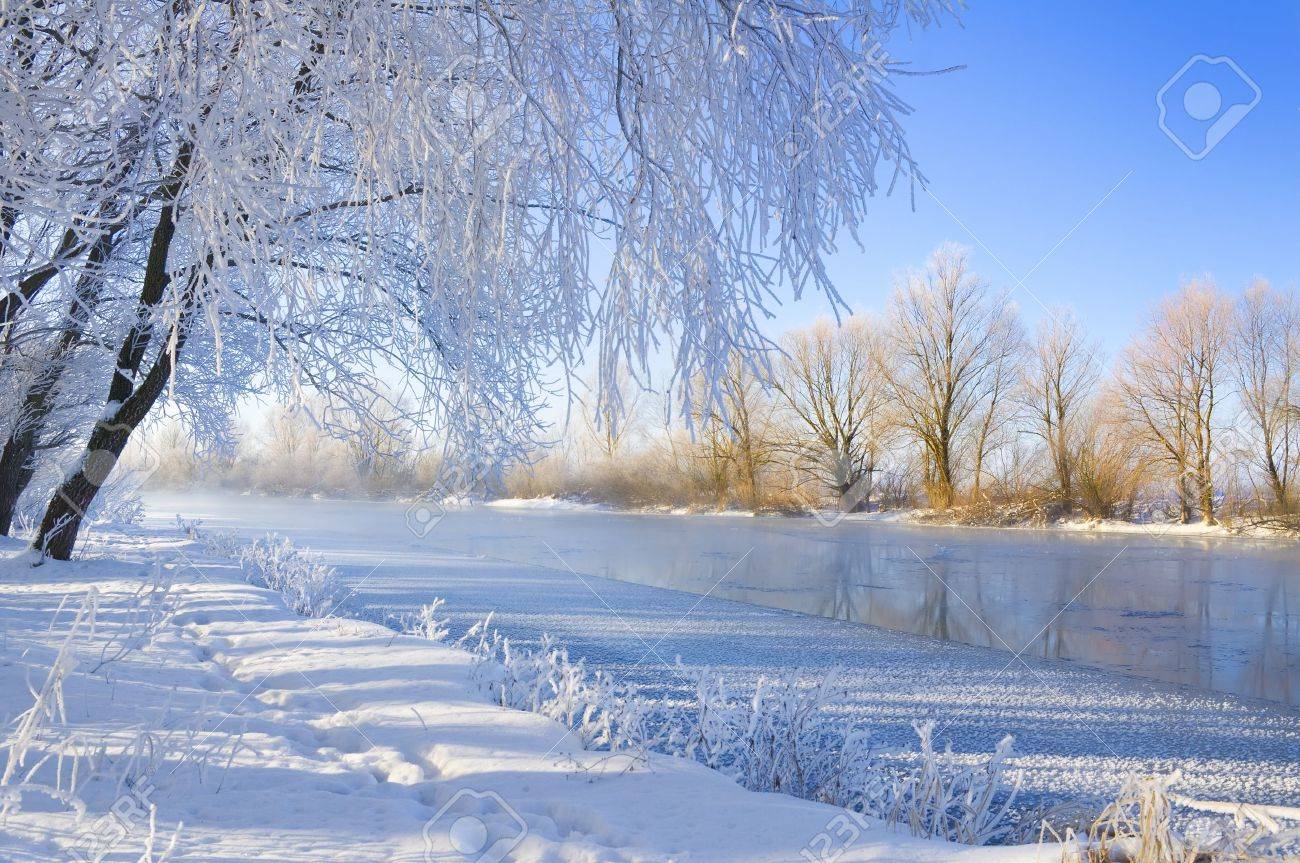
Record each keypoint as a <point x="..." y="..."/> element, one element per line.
<point x="255" y="735"/>
<point x="1078" y="731"/>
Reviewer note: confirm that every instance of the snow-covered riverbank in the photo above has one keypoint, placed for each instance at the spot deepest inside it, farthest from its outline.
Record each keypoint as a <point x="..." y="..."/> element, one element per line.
<point x="251" y="734"/>
<point x="929" y="517"/>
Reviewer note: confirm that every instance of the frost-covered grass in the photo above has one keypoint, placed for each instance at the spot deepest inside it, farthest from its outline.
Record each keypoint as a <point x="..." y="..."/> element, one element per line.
<point x="309" y="586"/>
<point x="784" y="738"/>
<point x="238" y="731"/>
<point x="1139" y="826"/>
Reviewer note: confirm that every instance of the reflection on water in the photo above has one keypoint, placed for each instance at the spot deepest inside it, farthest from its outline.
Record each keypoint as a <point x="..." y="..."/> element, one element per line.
<point x="1216" y="614"/>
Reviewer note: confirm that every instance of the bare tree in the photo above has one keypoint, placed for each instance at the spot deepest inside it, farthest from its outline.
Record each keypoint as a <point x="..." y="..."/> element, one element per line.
<point x="609" y="423"/>
<point x="832" y="382"/>
<point x="948" y="346"/>
<point x="295" y="455"/>
<point x="704" y="454"/>
<point x="1060" y="375"/>
<point x="1171" y="381"/>
<point x="1005" y="356"/>
<point x="735" y="441"/>
<point x="1266" y="354"/>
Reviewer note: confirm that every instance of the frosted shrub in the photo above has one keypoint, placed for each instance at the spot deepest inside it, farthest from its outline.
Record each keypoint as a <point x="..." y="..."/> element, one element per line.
<point x="546" y="681"/>
<point x="1136" y="827"/>
<point x="784" y="738"/>
<point x="708" y="733"/>
<point x="220" y="543"/>
<point x="784" y="744"/>
<point x="543" y="681"/>
<point x="425" y="623"/>
<point x="945" y="799"/>
<point x="309" y="586"/>
<point x="1139" y="827"/>
<point x="633" y="723"/>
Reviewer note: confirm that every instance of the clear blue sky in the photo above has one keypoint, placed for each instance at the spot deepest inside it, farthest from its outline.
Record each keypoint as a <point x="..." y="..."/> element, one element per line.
<point x="1057" y="105"/>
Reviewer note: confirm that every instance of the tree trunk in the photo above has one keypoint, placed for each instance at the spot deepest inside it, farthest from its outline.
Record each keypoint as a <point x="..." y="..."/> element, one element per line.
<point x="1067" y="490"/>
<point x="15" y="473"/>
<point x="16" y="467"/>
<point x="1207" y="499"/>
<point x="943" y="492"/>
<point x="67" y="509"/>
<point x="1276" y="483"/>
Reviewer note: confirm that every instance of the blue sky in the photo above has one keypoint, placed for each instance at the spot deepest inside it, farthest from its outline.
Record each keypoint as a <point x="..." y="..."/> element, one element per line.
<point x="1055" y="115"/>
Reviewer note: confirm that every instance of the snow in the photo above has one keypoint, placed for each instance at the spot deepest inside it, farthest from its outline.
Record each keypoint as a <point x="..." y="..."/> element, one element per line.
<point x="561" y="504"/>
<point x="274" y="737"/>
<point x="919" y="516"/>
<point x="552" y="503"/>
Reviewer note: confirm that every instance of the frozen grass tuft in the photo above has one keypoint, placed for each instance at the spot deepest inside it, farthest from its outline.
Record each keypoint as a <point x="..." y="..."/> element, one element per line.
<point x="309" y="586"/>
<point x="1139" y="827"/>
<point x="425" y="623"/>
<point x="944" y="799"/>
<point x="784" y="738"/>
<point x="48" y="708"/>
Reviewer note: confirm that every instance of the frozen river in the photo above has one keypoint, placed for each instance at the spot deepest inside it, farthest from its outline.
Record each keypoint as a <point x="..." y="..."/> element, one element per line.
<point x="1190" y="624"/>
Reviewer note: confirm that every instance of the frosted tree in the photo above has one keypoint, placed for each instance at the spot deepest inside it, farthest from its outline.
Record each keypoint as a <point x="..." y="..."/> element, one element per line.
<point x="832" y="380"/>
<point x="951" y="345"/>
<point x="1060" y="375"/>
<point x="610" y="423"/>
<point x="1266" y="361"/>
<point x="731" y="436"/>
<point x="1172" y="381"/>
<point x="357" y="186"/>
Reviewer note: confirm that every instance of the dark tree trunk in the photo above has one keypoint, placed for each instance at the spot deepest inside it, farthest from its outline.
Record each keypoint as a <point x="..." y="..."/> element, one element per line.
<point x="67" y="509"/>
<point x="130" y="403"/>
<point x="16" y="472"/>
<point x="16" y="459"/>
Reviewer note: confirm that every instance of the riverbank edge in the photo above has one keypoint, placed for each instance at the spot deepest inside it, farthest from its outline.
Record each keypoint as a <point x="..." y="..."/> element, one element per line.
<point x="920" y="517"/>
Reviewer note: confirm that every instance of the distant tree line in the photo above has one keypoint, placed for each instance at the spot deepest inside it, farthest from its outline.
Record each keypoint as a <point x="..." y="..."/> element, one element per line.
<point x="946" y="401"/>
